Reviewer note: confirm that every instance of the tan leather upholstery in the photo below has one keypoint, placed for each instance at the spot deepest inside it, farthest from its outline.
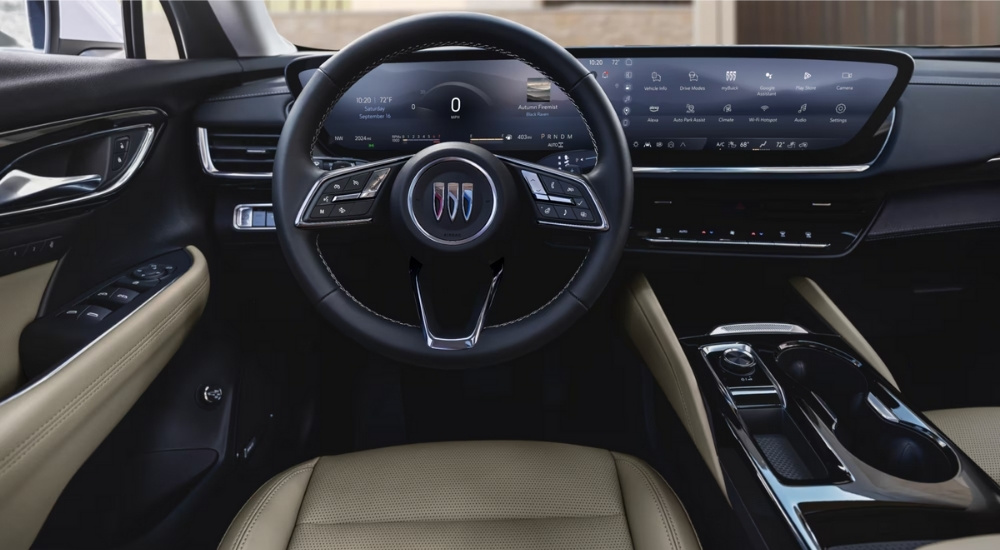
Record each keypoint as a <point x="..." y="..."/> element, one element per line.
<point x="982" y="542"/>
<point x="495" y="494"/>
<point x="20" y="294"/>
<point x="647" y="325"/>
<point x="49" y="429"/>
<point x="825" y="308"/>
<point x="976" y="431"/>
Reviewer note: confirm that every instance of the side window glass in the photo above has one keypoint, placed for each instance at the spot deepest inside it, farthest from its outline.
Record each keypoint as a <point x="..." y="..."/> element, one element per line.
<point x="76" y="27"/>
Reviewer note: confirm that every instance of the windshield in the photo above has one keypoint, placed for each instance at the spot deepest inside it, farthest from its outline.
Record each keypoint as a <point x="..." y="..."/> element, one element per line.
<point x="332" y="24"/>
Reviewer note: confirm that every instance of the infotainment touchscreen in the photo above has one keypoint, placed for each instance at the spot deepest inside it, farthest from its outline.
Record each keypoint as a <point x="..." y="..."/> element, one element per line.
<point x="741" y="103"/>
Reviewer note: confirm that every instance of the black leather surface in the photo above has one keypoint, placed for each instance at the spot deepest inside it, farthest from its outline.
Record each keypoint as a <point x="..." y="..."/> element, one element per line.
<point x="257" y="104"/>
<point x="294" y="175"/>
<point x="938" y="210"/>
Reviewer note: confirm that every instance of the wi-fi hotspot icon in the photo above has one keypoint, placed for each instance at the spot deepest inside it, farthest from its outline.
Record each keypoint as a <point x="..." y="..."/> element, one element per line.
<point x="764" y="107"/>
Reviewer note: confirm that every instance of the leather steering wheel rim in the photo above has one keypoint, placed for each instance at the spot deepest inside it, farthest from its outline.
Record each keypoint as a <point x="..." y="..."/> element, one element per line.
<point x="295" y="174"/>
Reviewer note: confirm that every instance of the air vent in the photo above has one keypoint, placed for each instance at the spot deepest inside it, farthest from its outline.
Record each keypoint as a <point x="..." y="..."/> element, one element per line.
<point x="241" y="153"/>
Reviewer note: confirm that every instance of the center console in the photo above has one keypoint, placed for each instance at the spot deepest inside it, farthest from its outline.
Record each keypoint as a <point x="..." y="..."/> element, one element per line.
<point x="819" y="450"/>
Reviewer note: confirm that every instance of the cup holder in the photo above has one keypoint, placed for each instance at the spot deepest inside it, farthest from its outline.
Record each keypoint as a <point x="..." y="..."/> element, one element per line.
<point x="895" y="448"/>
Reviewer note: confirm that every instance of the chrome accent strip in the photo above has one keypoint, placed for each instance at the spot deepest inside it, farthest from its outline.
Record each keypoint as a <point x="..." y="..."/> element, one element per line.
<point x="878" y="406"/>
<point x="666" y="240"/>
<point x="209" y="168"/>
<point x="844" y="169"/>
<point x="18" y="184"/>
<point x="340" y="172"/>
<point x="994" y="159"/>
<point x="465" y="342"/>
<point x="758" y="328"/>
<point x="348" y="197"/>
<point x="240" y="208"/>
<point x="140" y="156"/>
<point x="753" y="390"/>
<point x="564" y="175"/>
<point x="451" y="211"/>
<point x="89" y="345"/>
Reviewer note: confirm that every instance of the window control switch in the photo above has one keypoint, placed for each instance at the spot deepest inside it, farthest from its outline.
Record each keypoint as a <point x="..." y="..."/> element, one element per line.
<point x="122" y="296"/>
<point x="94" y="314"/>
<point x="136" y="284"/>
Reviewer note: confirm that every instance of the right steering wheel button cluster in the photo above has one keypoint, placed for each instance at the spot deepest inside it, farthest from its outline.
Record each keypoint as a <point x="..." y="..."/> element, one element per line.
<point x="560" y="200"/>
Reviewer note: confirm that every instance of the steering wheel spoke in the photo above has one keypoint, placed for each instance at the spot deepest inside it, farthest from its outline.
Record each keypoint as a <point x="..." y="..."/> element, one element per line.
<point x="464" y="337"/>
<point x="559" y="199"/>
<point x="348" y="196"/>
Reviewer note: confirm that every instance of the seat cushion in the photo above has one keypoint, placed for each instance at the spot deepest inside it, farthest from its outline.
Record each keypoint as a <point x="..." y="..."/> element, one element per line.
<point x="495" y="494"/>
<point x="976" y="430"/>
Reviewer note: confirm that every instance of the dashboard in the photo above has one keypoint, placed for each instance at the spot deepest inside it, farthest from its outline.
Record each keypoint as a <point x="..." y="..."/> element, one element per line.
<point x="908" y="124"/>
<point x="704" y="107"/>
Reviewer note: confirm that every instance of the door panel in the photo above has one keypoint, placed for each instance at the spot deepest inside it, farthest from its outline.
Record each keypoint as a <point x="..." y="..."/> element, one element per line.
<point x="62" y="116"/>
<point x="53" y="425"/>
<point x="21" y="295"/>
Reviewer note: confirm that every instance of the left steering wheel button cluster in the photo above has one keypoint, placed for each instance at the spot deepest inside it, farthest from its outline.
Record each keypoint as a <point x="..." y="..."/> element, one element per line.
<point x="348" y="197"/>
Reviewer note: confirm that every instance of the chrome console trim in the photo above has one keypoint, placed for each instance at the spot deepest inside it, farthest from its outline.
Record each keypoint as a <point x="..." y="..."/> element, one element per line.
<point x="758" y="328"/>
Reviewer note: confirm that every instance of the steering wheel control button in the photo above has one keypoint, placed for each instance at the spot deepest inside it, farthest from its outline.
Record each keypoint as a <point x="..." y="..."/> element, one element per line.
<point x="738" y="361"/>
<point x="565" y="213"/>
<point x="94" y="314"/>
<point x="572" y="190"/>
<point x="375" y="182"/>
<point x="356" y="183"/>
<point x="547" y="211"/>
<point x="584" y="215"/>
<point x="580" y="202"/>
<point x="554" y="187"/>
<point x="349" y="209"/>
<point x="534" y="183"/>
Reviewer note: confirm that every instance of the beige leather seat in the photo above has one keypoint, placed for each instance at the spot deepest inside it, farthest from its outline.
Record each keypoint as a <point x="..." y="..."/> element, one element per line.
<point x="500" y="494"/>
<point x="976" y="430"/>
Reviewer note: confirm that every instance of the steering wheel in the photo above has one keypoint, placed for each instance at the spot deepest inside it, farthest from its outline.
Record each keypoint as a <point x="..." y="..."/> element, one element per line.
<point x="451" y="203"/>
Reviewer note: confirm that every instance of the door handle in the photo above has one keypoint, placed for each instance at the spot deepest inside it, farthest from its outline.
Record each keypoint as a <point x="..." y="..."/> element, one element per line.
<point x="17" y="186"/>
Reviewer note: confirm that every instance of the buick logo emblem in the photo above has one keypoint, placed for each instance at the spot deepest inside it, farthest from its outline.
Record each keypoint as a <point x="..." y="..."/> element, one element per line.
<point x="452" y="197"/>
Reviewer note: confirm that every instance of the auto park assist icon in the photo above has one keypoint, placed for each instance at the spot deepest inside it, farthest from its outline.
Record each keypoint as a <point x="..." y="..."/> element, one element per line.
<point x="452" y="197"/>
